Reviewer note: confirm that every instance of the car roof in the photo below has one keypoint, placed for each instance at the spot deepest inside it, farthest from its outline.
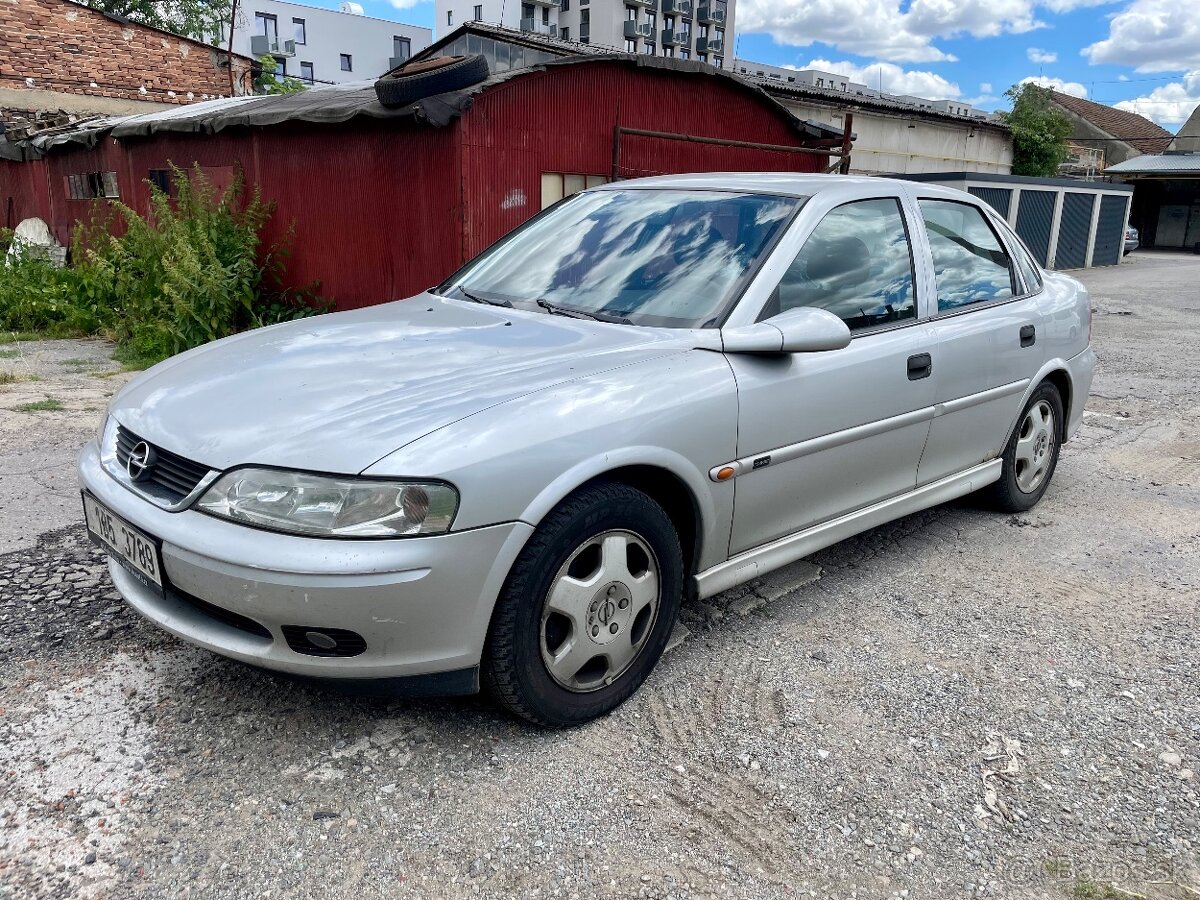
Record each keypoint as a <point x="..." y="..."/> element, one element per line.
<point x="788" y="183"/>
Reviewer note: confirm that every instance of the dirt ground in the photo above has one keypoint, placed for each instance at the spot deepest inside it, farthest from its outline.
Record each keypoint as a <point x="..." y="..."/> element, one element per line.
<point x="959" y="704"/>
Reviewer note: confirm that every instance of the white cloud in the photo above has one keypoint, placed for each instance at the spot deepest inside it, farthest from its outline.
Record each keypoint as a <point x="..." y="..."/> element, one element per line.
<point x="1061" y="6"/>
<point x="1041" y="56"/>
<point x="1074" y="88"/>
<point x="1151" y="35"/>
<point x="892" y="79"/>
<point x="406" y="4"/>
<point x="985" y="87"/>
<point x="1168" y="104"/>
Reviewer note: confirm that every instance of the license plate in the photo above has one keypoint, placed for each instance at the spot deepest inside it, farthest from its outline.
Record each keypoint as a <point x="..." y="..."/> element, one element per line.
<point x="136" y="551"/>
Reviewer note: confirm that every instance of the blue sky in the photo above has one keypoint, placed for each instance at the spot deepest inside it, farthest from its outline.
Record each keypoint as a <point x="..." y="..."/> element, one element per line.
<point x="1142" y="55"/>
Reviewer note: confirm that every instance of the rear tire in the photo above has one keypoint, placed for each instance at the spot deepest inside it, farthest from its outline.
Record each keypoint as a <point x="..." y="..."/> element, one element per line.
<point x="1031" y="454"/>
<point x="587" y="609"/>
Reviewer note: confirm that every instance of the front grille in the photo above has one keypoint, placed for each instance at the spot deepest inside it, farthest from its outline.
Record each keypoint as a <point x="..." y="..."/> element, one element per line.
<point x="328" y="641"/>
<point x="172" y="474"/>
<point x="225" y="616"/>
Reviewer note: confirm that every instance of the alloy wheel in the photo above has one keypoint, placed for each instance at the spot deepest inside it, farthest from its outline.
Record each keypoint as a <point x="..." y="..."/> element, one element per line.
<point x="1035" y="446"/>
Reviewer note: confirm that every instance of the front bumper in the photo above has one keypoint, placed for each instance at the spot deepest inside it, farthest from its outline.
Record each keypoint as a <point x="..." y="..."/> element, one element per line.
<point x="421" y="604"/>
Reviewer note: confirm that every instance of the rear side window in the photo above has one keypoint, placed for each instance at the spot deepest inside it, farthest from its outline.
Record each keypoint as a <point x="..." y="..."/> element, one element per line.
<point x="857" y="264"/>
<point x="969" y="261"/>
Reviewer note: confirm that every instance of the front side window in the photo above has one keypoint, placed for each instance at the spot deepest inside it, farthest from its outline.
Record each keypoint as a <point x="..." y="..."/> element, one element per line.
<point x="857" y="264"/>
<point x="969" y="262"/>
<point x="672" y="258"/>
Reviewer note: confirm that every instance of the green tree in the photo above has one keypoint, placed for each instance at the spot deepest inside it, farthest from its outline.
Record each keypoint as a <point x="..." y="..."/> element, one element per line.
<point x="267" y="82"/>
<point x="200" y="20"/>
<point x="1039" y="131"/>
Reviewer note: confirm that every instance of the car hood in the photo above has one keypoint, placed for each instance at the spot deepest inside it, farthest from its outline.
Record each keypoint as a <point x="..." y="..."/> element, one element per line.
<point x="336" y="393"/>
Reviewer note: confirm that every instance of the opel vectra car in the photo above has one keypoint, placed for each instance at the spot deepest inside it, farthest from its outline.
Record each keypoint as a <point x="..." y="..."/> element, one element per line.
<point x="656" y="389"/>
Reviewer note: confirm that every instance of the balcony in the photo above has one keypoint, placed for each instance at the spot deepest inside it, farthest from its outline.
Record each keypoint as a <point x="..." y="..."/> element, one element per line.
<point x="677" y="8"/>
<point x="261" y="45"/>
<point x="396" y="62"/>
<point x="553" y="4"/>
<point x="711" y="14"/>
<point x="536" y="26"/>
<point x="644" y="4"/>
<point x="635" y="30"/>
<point x="672" y="38"/>
<point x="712" y="45"/>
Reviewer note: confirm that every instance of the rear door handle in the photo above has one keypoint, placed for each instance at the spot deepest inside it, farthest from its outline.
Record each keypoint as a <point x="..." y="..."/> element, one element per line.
<point x="920" y="366"/>
<point x="1028" y="335"/>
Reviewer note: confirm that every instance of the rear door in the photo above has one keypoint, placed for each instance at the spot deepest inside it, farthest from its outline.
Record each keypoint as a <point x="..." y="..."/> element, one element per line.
<point x="989" y="331"/>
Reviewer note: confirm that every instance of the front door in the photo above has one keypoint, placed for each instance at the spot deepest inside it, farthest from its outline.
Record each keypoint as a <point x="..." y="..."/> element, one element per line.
<point x="990" y="338"/>
<point x="836" y="431"/>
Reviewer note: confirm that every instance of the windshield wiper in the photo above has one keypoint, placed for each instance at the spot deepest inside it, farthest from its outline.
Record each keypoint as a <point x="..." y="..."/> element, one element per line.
<point x="475" y="298"/>
<point x="598" y="315"/>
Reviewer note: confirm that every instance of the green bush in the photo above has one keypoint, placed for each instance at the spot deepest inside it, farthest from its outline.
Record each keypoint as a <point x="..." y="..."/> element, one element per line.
<point x="190" y="272"/>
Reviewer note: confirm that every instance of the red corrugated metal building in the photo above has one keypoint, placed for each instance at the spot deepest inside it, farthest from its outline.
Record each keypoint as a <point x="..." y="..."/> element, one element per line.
<point x="385" y="203"/>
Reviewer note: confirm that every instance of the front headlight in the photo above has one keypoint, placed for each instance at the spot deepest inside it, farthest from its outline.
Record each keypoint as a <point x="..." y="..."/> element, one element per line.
<point x="329" y="506"/>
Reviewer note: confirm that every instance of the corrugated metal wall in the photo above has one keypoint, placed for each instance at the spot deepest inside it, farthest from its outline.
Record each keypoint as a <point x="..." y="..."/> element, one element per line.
<point x="385" y="210"/>
<point x="1109" y="243"/>
<point x="1074" y="231"/>
<point x="563" y="120"/>
<point x="1035" y="216"/>
<point x="998" y="198"/>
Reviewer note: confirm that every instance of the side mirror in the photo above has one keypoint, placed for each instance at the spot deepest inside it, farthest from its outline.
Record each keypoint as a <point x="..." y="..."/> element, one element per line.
<point x="805" y="329"/>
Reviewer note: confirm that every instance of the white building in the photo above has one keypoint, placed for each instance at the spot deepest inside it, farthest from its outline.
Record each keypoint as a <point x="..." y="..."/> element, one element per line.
<point x="324" y="46"/>
<point x="701" y="30"/>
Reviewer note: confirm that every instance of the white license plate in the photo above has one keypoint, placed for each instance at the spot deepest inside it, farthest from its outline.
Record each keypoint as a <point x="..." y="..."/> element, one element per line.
<point x="130" y="547"/>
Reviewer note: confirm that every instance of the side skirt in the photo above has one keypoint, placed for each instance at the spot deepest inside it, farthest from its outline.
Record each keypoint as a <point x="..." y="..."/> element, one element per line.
<point x="760" y="560"/>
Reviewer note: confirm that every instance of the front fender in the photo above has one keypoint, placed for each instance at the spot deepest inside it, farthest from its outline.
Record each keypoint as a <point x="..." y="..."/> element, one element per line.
<point x="515" y="461"/>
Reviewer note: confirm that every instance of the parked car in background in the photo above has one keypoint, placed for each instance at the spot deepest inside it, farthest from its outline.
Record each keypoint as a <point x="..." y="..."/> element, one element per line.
<point x="655" y="389"/>
<point x="1131" y="239"/>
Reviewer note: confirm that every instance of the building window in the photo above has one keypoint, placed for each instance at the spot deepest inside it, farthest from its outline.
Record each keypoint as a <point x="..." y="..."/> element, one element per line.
<point x="92" y="186"/>
<point x="401" y="48"/>
<point x="566" y="5"/>
<point x="584" y="2"/>
<point x="684" y="53"/>
<point x="719" y="62"/>
<point x="545" y="15"/>
<point x="651" y="48"/>
<point x="564" y="33"/>
<point x="347" y="62"/>
<point x="631" y="13"/>
<point x="161" y="179"/>
<point x="306" y="72"/>
<point x="702" y="57"/>
<point x="449" y="17"/>
<point x="630" y="46"/>
<point x="704" y="35"/>
<point x="669" y="23"/>
<point x="299" y="34"/>
<point x="280" y="67"/>
<point x="585" y="17"/>
<point x="268" y="26"/>
<point x="651" y="20"/>
<point x="556" y="185"/>
<point x="478" y="12"/>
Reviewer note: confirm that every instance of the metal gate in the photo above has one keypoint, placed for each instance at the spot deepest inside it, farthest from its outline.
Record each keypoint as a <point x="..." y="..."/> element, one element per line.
<point x="997" y="198"/>
<point x="1110" y="231"/>
<point x="1034" y="216"/>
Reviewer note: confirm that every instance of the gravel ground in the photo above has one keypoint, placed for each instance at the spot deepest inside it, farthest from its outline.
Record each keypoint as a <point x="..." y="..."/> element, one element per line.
<point x="958" y="704"/>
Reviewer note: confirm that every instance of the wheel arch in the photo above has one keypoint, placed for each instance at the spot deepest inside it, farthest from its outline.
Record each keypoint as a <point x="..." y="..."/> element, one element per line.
<point x="1057" y="373"/>
<point x="673" y="482"/>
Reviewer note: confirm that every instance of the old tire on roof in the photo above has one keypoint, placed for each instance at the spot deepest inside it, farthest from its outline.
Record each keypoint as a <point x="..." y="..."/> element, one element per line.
<point x="428" y="77"/>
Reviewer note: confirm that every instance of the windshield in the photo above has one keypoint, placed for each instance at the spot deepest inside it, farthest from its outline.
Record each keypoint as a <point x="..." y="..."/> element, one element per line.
<point x="673" y="258"/>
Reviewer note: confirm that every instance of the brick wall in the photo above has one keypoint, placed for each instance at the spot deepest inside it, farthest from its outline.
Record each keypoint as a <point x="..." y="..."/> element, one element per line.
<point x="67" y="48"/>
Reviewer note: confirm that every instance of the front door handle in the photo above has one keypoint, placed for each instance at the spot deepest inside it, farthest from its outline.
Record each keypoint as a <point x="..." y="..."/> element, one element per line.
<point x="1028" y="335"/>
<point x="920" y="366"/>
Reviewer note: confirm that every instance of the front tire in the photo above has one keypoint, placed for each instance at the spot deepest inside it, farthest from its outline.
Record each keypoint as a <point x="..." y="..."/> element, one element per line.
<point x="1031" y="454"/>
<point x="587" y="609"/>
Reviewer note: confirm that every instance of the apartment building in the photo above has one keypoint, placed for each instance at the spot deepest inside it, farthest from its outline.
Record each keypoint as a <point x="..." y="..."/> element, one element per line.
<point x="701" y="30"/>
<point x="324" y="46"/>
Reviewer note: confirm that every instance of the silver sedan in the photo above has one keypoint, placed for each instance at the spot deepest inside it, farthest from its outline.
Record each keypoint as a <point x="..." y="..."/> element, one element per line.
<point x="654" y="390"/>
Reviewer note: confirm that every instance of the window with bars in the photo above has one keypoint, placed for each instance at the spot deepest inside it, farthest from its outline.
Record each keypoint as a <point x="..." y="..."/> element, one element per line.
<point x="556" y="185"/>
<point x="92" y="186"/>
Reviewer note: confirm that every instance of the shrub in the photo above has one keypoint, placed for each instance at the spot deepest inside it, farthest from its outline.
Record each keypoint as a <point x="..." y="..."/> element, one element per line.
<point x="190" y="272"/>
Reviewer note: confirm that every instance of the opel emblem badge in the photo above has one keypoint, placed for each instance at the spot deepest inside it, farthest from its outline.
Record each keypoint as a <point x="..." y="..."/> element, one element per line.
<point x="605" y="612"/>
<point x="140" y="465"/>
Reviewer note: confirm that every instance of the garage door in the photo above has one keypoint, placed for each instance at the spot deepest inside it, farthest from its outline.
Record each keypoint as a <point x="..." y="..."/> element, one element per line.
<point x="1035" y="213"/>
<point x="1073" y="231"/>
<point x="997" y="198"/>
<point x="1110" y="231"/>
